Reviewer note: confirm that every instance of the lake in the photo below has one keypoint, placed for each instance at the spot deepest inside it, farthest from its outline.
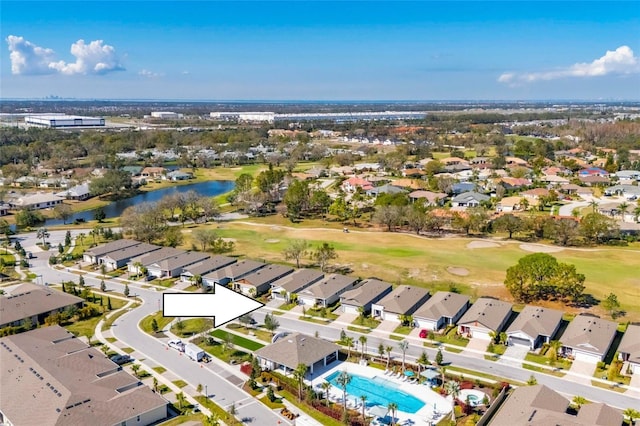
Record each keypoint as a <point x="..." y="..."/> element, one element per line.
<point x="115" y="209"/>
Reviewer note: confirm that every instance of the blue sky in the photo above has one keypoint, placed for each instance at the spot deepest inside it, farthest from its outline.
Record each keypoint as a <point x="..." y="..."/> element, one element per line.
<point x="321" y="51"/>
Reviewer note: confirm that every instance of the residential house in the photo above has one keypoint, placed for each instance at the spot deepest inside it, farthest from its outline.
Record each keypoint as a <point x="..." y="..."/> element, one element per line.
<point x="541" y="405"/>
<point x="469" y="199"/>
<point x="384" y="189"/>
<point x="259" y="282"/>
<point x="289" y="351"/>
<point x="353" y="183"/>
<point x="233" y="272"/>
<point x="629" y="192"/>
<point x="94" y="254"/>
<point x="588" y="338"/>
<point x="533" y="196"/>
<point x="515" y="162"/>
<point x="50" y="377"/>
<point x="534" y="326"/>
<point x="172" y="266"/>
<point x="412" y="173"/>
<point x="133" y="170"/>
<point x="427" y="197"/>
<point x="138" y="263"/>
<point x="484" y="317"/>
<point x="402" y="301"/>
<point x="54" y="182"/>
<point x="511" y="183"/>
<point x="462" y="187"/>
<point x="206" y="266"/>
<point x="33" y="302"/>
<point x="178" y="175"/>
<point x="36" y="201"/>
<point x="593" y="171"/>
<point x="364" y="296"/>
<point x="79" y="192"/>
<point x="481" y="163"/>
<point x="326" y="291"/>
<point x="153" y="172"/>
<point x="120" y="258"/>
<point x="408" y="184"/>
<point x="294" y="283"/>
<point x="595" y="180"/>
<point x="4" y="209"/>
<point x="629" y="349"/>
<point x="628" y="176"/>
<point x="509" y="204"/>
<point x="569" y="188"/>
<point x="442" y="309"/>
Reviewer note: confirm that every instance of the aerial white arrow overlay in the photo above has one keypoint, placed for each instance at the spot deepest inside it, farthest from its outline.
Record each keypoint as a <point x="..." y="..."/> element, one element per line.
<point x="224" y="304"/>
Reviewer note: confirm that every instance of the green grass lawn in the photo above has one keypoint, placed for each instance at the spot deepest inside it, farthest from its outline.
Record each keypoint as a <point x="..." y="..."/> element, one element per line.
<point x="192" y="327"/>
<point x="159" y="369"/>
<point x="87" y="327"/>
<point x="260" y="334"/>
<point x="366" y="322"/>
<point x="543" y="370"/>
<point x="565" y="364"/>
<point x="238" y="340"/>
<point x="178" y="420"/>
<point x="128" y="350"/>
<point x="406" y="258"/>
<point x="216" y="349"/>
<point x="179" y="383"/>
<point x="403" y="329"/>
<point x="145" y="323"/>
<point x="215" y="408"/>
<point x="451" y="338"/>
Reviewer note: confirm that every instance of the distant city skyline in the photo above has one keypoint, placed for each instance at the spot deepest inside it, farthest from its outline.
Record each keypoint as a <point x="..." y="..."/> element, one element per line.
<point x="324" y="51"/>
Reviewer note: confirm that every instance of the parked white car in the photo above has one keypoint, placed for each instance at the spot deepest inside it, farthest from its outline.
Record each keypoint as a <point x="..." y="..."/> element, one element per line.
<point x="176" y="344"/>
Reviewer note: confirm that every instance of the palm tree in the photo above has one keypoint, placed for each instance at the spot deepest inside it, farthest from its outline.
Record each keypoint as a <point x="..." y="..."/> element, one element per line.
<point x="348" y="342"/>
<point x="343" y="380"/>
<point x="555" y="346"/>
<point x="81" y="238"/>
<point x="299" y="373"/>
<point x="381" y="350"/>
<point x="363" y="344"/>
<point x="443" y="370"/>
<point x="393" y="407"/>
<point x="212" y="420"/>
<point x="325" y="389"/>
<point x="403" y="345"/>
<point x="181" y="400"/>
<point x="388" y="350"/>
<point x="423" y="361"/>
<point x="594" y="205"/>
<point x="623" y="206"/>
<point x="363" y="399"/>
<point x="135" y="368"/>
<point x="579" y="401"/>
<point x="44" y="234"/>
<point x="632" y="413"/>
<point x="636" y="213"/>
<point x="452" y="388"/>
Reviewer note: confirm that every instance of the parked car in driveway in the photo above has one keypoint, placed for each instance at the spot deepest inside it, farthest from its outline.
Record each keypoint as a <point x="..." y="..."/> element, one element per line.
<point x="423" y="333"/>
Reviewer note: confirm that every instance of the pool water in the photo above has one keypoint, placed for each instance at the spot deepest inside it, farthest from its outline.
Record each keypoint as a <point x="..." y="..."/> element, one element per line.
<point x="379" y="391"/>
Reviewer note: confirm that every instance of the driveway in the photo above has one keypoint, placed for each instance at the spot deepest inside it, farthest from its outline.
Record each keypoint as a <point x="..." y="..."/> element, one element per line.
<point x="387" y="326"/>
<point x="514" y="355"/>
<point x="583" y="370"/>
<point x="476" y="347"/>
<point x="346" y="318"/>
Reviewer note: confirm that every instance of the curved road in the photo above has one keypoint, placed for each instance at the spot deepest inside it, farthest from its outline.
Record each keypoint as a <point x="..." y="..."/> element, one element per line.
<point x="224" y="392"/>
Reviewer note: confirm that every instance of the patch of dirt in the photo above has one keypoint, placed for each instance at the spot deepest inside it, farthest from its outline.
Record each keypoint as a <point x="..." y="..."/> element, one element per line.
<point x="413" y="273"/>
<point x="276" y="228"/>
<point x="482" y="244"/>
<point x="538" y="248"/>
<point x="272" y="240"/>
<point x="455" y="270"/>
<point x="232" y="240"/>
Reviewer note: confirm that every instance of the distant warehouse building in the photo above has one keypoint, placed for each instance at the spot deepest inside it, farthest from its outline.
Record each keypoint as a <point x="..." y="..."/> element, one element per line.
<point x="61" y="121"/>
<point x="166" y="115"/>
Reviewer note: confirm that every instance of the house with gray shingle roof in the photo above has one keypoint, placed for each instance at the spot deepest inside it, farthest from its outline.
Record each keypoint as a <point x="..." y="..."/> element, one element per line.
<point x="483" y="317"/>
<point x="50" y="377"/>
<point x="231" y="272"/>
<point x="93" y="254"/>
<point x="629" y="349"/>
<point x="172" y="266"/>
<point x="364" y="295"/>
<point x="588" y="338"/>
<point x="294" y="349"/>
<point x="469" y="199"/>
<point x="403" y="300"/>
<point x="534" y="326"/>
<point x="326" y="291"/>
<point x="259" y="282"/>
<point x="443" y="308"/>
<point x="206" y="266"/>
<point x="119" y="258"/>
<point x="283" y="288"/>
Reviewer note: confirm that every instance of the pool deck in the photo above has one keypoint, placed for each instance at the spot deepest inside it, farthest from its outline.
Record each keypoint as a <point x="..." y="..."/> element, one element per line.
<point x="436" y="406"/>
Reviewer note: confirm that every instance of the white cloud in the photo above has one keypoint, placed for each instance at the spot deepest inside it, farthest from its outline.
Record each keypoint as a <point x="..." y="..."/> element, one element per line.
<point x="27" y="58"/>
<point x="619" y="61"/>
<point x="93" y="58"/>
<point x="149" y="74"/>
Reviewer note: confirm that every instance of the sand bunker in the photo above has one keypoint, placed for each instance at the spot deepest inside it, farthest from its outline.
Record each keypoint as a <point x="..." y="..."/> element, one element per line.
<point x="455" y="270"/>
<point x="537" y="248"/>
<point x="482" y="244"/>
<point x="272" y="241"/>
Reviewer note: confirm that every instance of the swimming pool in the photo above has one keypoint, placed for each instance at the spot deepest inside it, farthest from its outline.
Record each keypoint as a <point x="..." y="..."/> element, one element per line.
<point x="379" y="391"/>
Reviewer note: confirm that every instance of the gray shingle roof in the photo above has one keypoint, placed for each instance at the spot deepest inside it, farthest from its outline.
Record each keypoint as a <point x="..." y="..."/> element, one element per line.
<point x="297" y="349"/>
<point x="111" y="246"/>
<point x="329" y="285"/>
<point x="589" y="334"/>
<point x="488" y="312"/>
<point x="442" y="304"/>
<point x="403" y="299"/>
<point x="156" y="256"/>
<point x="630" y="343"/>
<point x="298" y="280"/>
<point x="236" y="270"/>
<point x="68" y="382"/>
<point x="367" y="292"/>
<point x="181" y="260"/>
<point x="132" y="252"/>
<point x="209" y="265"/>
<point x="599" y="414"/>
<point x="536" y="321"/>
<point x="28" y="300"/>
<point x="266" y="274"/>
